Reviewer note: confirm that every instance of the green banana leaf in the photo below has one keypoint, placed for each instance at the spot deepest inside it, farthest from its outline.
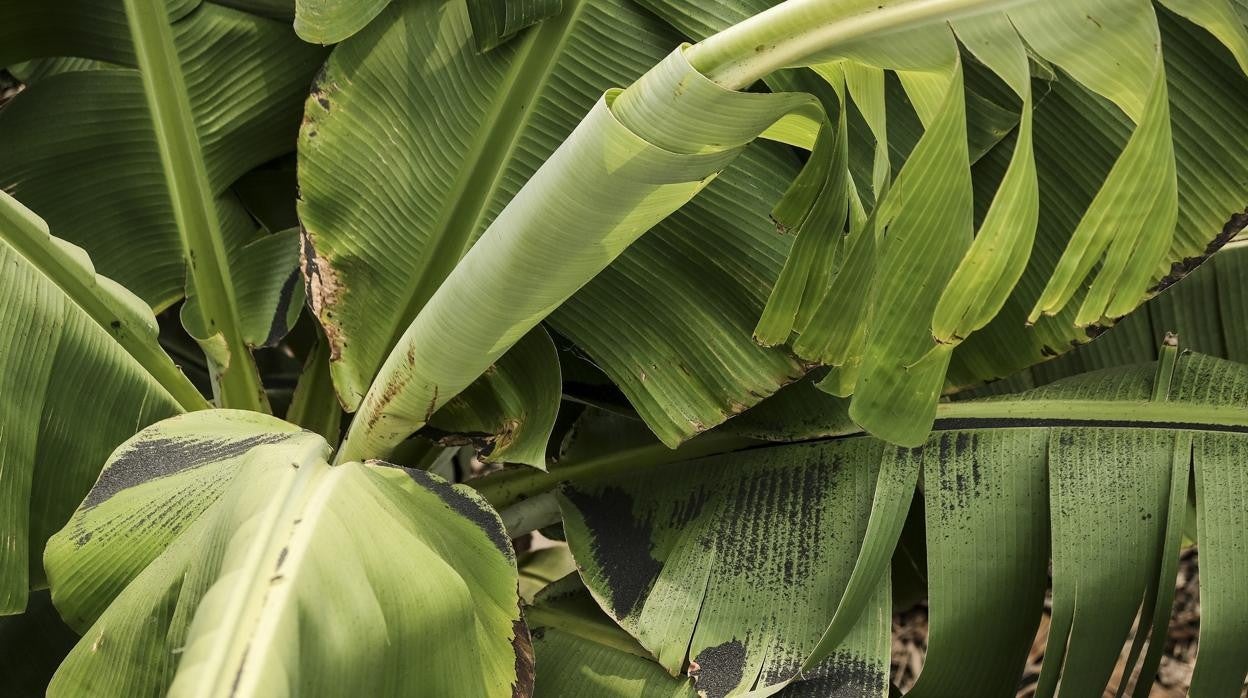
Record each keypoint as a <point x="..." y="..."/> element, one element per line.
<point x="331" y="21"/>
<point x="645" y="319"/>
<point x="80" y="144"/>
<point x="493" y="21"/>
<point x="915" y="252"/>
<point x="79" y="148"/>
<point x="582" y="653"/>
<point x="62" y="327"/>
<point x="779" y="552"/>
<point x="732" y="570"/>
<point x="496" y="21"/>
<point x="217" y="91"/>
<point x="82" y="28"/>
<point x="1040" y="158"/>
<point x="1207" y="309"/>
<point x="1211" y="200"/>
<point x="515" y="105"/>
<point x="219" y="554"/>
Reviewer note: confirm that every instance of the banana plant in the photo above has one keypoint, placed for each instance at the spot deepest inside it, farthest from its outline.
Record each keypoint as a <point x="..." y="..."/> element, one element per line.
<point x="881" y="327"/>
<point x="698" y="274"/>
<point x="766" y="567"/>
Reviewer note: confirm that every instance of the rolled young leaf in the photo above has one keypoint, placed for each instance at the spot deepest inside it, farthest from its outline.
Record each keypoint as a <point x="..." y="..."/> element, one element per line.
<point x="431" y="152"/>
<point x="632" y="161"/>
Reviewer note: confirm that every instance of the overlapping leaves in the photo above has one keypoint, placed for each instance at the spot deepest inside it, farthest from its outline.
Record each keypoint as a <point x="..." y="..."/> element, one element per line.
<point x="872" y="306"/>
<point x="63" y="327"/>
<point x="742" y="571"/>
<point x="78" y="147"/>
<point x="891" y="312"/>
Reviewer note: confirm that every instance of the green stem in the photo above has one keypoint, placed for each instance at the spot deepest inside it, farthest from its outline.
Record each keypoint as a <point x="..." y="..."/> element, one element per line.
<point x="530" y="514"/>
<point x="797" y="31"/>
<point x="314" y="405"/>
<point x="194" y="204"/>
<point x="512" y="486"/>
<point x="509" y="487"/>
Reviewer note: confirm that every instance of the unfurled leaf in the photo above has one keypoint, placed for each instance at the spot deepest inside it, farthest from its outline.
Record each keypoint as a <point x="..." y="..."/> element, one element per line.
<point x="1093" y="182"/>
<point x="732" y="569"/>
<point x="220" y="554"/>
<point x="79" y="148"/>
<point x="774" y="553"/>
<point x="185" y="122"/>
<point x="1208" y="309"/>
<point x="64" y="330"/>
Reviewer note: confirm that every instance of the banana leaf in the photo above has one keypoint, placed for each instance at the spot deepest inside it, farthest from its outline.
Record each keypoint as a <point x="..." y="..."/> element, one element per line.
<point x="922" y="273"/>
<point x="220" y="554"/>
<point x="779" y="552"/>
<point x="62" y="326"/>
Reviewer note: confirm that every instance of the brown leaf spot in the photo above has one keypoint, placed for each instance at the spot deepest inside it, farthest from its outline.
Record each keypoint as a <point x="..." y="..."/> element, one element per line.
<point x="522" y="643"/>
<point x="323" y="290"/>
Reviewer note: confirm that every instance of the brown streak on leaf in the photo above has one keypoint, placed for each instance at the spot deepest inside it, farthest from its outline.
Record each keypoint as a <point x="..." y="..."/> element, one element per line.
<point x="522" y="643"/>
<point x="433" y="405"/>
<point x="323" y="290"/>
<point x="1237" y="224"/>
<point x="387" y="396"/>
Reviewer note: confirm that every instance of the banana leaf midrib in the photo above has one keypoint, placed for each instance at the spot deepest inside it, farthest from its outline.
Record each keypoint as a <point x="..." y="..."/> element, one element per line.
<point x="262" y="597"/>
<point x="192" y="198"/>
<point x="1172" y="415"/>
<point x="1044" y="413"/>
<point x="492" y="149"/>
<point x="1142" y="414"/>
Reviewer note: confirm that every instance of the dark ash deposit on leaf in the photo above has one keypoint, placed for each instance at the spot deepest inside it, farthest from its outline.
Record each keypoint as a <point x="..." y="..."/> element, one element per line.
<point x="475" y="511"/>
<point x="621" y="545"/>
<point x="719" y="669"/>
<point x="150" y="459"/>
